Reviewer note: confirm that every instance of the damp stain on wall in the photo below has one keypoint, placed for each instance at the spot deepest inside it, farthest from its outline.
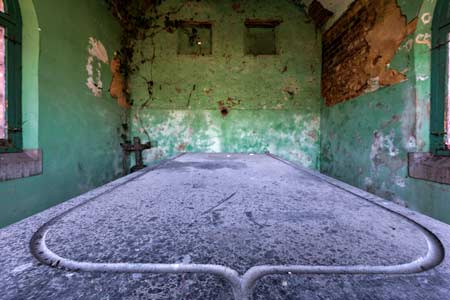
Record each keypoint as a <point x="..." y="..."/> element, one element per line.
<point x="228" y="101"/>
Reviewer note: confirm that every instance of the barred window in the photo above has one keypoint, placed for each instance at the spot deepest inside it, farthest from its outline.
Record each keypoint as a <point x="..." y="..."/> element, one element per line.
<point x="10" y="77"/>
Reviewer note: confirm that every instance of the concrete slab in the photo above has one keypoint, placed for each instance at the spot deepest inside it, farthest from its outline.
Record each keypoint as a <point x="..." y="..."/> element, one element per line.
<point x="226" y="226"/>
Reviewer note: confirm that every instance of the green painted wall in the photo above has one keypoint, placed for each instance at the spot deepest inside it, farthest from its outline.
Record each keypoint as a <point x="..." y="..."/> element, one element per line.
<point x="274" y="101"/>
<point x="77" y="132"/>
<point x="365" y="141"/>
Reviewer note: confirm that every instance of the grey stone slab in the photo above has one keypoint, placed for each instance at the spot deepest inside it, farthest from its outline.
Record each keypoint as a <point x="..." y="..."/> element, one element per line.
<point x="427" y="166"/>
<point x="210" y="225"/>
<point x="20" y="165"/>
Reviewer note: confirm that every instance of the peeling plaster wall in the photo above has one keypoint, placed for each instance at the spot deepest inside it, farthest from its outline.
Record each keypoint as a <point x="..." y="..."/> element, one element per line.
<point x="365" y="141"/>
<point x="77" y="131"/>
<point x="359" y="48"/>
<point x="228" y="101"/>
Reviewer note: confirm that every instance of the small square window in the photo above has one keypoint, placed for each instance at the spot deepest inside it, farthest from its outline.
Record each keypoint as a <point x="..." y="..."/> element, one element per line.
<point x="195" y="38"/>
<point x="261" y="37"/>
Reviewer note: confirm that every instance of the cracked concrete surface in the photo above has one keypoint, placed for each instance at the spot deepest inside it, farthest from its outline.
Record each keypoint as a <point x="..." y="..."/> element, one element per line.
<point x="226" y="226"/>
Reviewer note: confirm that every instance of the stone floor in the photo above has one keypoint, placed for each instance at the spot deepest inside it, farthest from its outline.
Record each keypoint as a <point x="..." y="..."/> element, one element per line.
<point x="225" y="226"/>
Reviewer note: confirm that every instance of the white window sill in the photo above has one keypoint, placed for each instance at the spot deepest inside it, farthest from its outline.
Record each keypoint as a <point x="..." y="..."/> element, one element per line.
<point x="20" y="165"/>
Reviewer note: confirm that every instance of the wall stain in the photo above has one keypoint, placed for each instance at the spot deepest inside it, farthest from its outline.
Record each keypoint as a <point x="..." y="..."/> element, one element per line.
<point x="118" y="88"/>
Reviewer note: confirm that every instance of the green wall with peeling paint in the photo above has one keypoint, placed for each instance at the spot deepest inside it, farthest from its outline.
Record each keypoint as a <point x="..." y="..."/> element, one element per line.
<point x="273" y="100"/>
<point x="76" y="131"/>
<point x="274" y="103"/>
<point x="365" y="141"/>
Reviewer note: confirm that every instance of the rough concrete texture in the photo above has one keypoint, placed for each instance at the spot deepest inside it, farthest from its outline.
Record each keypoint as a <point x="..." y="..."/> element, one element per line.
<point x="238" y="211"/>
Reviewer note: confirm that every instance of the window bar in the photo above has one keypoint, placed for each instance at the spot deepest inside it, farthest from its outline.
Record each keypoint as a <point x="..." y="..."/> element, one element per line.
<point x="3" y="101"/>
<point x="447" y="102"/>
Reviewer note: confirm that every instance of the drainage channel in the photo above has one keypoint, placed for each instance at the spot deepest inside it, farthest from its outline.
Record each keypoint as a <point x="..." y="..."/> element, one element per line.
<point x="242" y="285"/>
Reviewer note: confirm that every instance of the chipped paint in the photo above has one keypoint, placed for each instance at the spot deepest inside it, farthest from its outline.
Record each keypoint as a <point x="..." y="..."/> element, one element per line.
<point x="362" y="60"/>
<point x="424" y="39"/>
<point x="98" y="50"/>
<point x="382" y="145"/>
<point x="118" y="86"/>
<point x="365" y="142"/>
<point x="97" y="55"/>
<point x="79" y="136"/>
<point x="228" y="101"/>
<point x="426" y="18"/>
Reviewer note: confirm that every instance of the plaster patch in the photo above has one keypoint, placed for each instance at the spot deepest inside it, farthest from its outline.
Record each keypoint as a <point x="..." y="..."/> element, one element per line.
<point x="97" y="55"/>
<point x="422" y="78"/>
<point x="98" y="50"/>
<point x="408" y="45"/>
<point x="412" y="143"/>
<point x="424" y="39"/>
<point x="368" y="182"/>
<point x="426" y="18"/>
<point x="400" y="181"/>
<point x="381" y="145"/>
<point x="373" y="84"/>
<point x="213" y="133"/>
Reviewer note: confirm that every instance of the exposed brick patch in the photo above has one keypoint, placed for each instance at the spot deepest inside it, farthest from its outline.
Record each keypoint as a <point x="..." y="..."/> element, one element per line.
<point x="358" y="48"/>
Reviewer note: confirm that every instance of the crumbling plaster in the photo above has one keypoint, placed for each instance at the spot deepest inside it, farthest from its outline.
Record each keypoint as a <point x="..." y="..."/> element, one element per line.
<point x="366" y="141"/>
<point x="229" y="101"/>
<point x="359" y="50"/>
<point x="77" y="132"/>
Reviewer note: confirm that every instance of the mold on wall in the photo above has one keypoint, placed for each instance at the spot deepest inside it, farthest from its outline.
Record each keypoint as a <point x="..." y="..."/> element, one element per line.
<point x="78" y="132"/>
<point x="365" y="142"/>
<point x="229" y="101"/>
<point x="288" y="134"/>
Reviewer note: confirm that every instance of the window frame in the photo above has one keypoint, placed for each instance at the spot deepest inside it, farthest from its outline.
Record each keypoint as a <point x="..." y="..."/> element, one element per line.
<point x="440" y="79"/>
<point x="11" y="20"/>
<point x="186" y="25"/>
<point x="261" y="24"/>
